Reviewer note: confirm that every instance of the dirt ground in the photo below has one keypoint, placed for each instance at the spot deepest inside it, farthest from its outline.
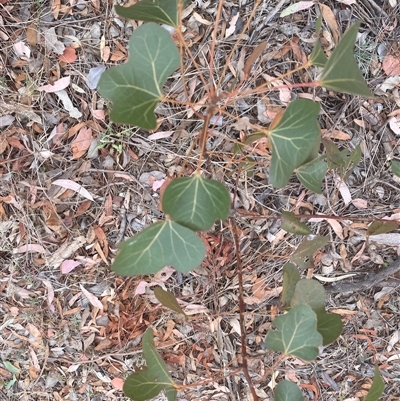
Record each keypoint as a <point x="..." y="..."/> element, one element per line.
<point x="74" y="185"/>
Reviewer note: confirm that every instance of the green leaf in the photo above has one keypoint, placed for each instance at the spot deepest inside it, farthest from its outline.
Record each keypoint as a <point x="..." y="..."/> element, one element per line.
<point x="254" y="137"/>
<point x="292" y="139"/>
<point x="135" y="88"/>
<point x="396" y="167"/>
<point x="341" y="72"/>
<point x="311" y="293"/>
<point x="10" y="367"/>
<point x="248" y="166"/>
<point x="160" y="11"/>
<point x="318" y="56"/>
<point x="196" y="202"/>
<point x="303" y="255"/>
<point x="297" y="334"/>
<point x="378" y="385"/>
<point x="344" y="160"/>
<point x="292" y="224"/>
<point x="148" y="382"/>
<point x="350" y="162"/>
<point x="330" y="326"/>
<point x="287" y="391"/>
<point x="334" y="155"/>
<point x="312" y="174"/>
<point x="290" y="278"/>
<point x="167" y="298"/>
<point x="159" y="245"/>
<point x="381" y="227"/>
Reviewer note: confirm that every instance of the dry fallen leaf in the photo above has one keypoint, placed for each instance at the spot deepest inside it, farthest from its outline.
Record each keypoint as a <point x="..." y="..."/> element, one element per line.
<point x="91" y="298"/>
<point x="391" y="65"/>
<point x="32" y="34"/>
<point x="58" y="85"/>
<point x="69" y="184"/>
<point x="330" y="20"/>
<point x="69" y="55"/>
<point x="82" y="142"/>
<point x="68" y="265"/>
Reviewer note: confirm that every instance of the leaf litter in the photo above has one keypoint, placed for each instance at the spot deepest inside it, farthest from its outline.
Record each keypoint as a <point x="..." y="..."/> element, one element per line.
<point x="62" y="306"/>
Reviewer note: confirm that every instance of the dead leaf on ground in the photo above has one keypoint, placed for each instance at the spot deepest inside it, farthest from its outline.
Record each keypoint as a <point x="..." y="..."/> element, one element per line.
<point x="69" y="55"/>
<point x="330" y="20"/>
<point x="74" y="186"/>
<point x="82" y="142"/>
<point x="58" y="85"/>
<point x="91" y="298"/>
<point x="391" y="65"/>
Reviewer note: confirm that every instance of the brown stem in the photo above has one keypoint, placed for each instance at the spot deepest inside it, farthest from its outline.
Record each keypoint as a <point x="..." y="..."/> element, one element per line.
<point x="242" y="312"/>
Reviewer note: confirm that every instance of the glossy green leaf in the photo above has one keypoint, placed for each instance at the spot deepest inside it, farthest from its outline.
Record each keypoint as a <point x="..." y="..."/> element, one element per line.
<point x="196" y="202"/>
<point x="168" y="299"/>
<point x="291" y="139"/>
<point x="303" y="256"/>
<point x="287" y="391"/>
<point x="396" y="167"/>
<point x="148" y="382"/>
<point x="381" y="227"/>
<point x="297" y="334"/>
<point x="311" y="293"/>
<point x="330" y="326"/>
<point x="135" y="87"/>
<point x="378" y="385"/>
<point x="317" y="56"/>
<point x="290" y="278"/>
<point x="312" y="174"/>
<point x="159" y="245"/>
<point x="159" y="11"/>
<point x="341" y="72"/>
<point x="292" y="224"/>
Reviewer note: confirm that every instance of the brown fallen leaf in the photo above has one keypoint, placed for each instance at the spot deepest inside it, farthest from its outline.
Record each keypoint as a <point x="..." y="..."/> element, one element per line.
<point x="32" y="34"/>
<point x="391" y="65"/>
<point x="330" y="20"/>
<point x="82" y="142"/>
<point x="69" y="55"/>
<point x="253" y="57"/>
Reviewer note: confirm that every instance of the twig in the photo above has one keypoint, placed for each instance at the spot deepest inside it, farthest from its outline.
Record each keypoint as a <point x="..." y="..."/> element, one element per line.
<point x="242" y="312"/>
<point x="371" y="280"/>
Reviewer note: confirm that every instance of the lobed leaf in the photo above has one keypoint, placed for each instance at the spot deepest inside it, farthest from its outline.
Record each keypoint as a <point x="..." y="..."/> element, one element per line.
<point x="317" y="56"/>
<point x="290" y="278"/>
<point x="312" y="174"/>
<point x="297" y="334"/>
<point x="148" y="382"/>
<point x="291" y="139"/>
<point x="341" y="72"/>
<point x="304" y="253"/>
<point x="168" y="299"/>
<point x="311" y="293"/>
<point x="159" y="11"/>
<point x="330" y="326"/>
<point x="292" y="224"/>
<point x="196" y="202"/>
<point x="159" y="245"/>
<point x="378" y="385"/>
<point x="135" y="88"/>
<point x="287" y="391"/>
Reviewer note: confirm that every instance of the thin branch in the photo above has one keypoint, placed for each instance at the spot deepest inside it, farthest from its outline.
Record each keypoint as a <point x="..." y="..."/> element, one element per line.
<point x="242" y="312"/>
